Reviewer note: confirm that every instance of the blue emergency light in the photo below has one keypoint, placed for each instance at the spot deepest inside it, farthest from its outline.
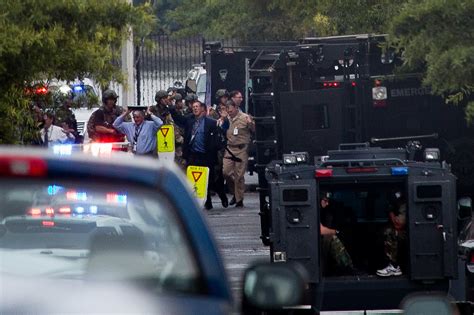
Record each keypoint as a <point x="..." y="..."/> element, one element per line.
<point x="78" y="88"/>
<point x="400" y="171"/>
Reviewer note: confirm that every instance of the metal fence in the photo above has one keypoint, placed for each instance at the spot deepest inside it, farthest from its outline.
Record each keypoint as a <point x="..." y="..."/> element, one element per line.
<point x="169" y="62"/>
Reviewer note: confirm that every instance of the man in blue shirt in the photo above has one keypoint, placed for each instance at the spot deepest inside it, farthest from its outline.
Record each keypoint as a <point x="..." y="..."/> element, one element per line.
<point x="141" y="133"/>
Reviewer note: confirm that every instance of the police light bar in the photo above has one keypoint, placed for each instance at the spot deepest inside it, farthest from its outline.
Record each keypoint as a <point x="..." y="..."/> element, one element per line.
<point x="323" y="173"/>
<point x="399" y="171"/>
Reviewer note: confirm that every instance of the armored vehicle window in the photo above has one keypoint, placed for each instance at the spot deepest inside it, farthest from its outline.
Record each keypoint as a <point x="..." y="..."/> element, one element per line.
<point x="290" y="195"/>
<point x="429" y="191"/>
<point x="315" y="117"/>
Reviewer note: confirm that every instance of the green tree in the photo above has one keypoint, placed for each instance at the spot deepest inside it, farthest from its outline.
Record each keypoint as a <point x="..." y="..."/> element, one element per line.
<point x="438" y="36"/>
<point x="63" y="39"/>
<point x="247" y="20"/>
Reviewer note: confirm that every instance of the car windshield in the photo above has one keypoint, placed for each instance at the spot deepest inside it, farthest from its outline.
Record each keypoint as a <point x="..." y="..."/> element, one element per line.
<point x="80" y="231"/>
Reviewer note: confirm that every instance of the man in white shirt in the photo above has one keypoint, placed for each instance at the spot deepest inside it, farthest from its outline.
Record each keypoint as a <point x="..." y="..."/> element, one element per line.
<point x="51" y="134"/>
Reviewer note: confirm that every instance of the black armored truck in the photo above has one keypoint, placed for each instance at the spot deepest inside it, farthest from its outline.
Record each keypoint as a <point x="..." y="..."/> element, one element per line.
<point x="363" y="184"/>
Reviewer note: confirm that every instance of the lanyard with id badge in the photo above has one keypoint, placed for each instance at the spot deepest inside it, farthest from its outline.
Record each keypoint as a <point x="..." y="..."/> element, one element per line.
<point x="135" y="138"/>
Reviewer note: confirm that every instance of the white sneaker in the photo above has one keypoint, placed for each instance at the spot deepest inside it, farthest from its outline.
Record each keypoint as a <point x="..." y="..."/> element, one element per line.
<point x="389" y="271"/>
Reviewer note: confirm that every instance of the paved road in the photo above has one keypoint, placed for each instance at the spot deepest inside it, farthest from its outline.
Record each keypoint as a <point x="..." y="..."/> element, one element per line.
<point x="237" y="231"/>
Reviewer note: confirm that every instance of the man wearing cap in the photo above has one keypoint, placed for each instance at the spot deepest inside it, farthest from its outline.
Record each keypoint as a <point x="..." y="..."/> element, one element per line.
<point x="140" y="133"/>
<point x="238" y="138"/>
<point x="100" y="125"/>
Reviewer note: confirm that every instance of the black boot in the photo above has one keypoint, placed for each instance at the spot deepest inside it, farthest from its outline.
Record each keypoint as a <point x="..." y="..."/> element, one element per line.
<point x="239" y="204"/>
<point x="224" y="201"/>
<point x="232" y="201"/>
<point x="208" y="204"/>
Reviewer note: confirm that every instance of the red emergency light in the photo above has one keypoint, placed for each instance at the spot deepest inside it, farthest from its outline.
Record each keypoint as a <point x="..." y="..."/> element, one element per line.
<point x="323" y="173"/>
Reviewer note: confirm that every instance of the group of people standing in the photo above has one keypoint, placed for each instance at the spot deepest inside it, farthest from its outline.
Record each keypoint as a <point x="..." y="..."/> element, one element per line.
<point x="215" y="137"/>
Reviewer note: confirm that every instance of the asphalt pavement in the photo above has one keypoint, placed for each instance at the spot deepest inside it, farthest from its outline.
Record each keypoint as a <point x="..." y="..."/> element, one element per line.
<point x="237" y="231"/>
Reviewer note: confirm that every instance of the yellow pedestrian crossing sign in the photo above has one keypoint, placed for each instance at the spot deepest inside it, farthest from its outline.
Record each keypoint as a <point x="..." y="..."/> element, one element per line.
<point x="165" y="139"/>
<point x="198" y="177"/>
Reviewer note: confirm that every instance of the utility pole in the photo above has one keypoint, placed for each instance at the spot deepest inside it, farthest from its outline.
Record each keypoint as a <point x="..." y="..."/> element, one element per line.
<point x="128" y="97"/>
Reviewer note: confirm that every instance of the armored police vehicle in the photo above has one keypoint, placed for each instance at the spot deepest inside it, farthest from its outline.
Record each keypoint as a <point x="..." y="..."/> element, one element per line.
<point x="362" y="184"/>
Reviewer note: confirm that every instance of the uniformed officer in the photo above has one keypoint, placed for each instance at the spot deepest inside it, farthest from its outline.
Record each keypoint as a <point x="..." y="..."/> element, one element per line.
<point x="238" y="138"/>
<point x="161" y="110"/>
<point x="188" y="102"/>
<point x="395" y="235"/>
<point x="332" y="246"/>
<point x="65" y="118"/>
<point x="179" y="139"/>
<point x="100" y="125"/>
<point x="222" y="96"/>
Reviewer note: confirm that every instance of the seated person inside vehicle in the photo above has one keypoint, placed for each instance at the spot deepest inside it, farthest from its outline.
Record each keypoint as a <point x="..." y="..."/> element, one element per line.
<point x="360" y="214"/>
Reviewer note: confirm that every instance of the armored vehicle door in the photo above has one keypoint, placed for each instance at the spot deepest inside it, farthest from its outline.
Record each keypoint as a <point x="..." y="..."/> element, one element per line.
<point x="312" y="121"/>
<point x="295" y="224"/>
<point x="432" y="227"/>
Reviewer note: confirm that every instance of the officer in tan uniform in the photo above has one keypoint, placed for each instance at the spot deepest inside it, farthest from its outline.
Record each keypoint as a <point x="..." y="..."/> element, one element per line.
<point x="238" y="138"/>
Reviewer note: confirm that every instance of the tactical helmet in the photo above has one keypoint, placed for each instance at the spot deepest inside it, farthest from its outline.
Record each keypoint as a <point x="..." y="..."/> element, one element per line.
<point x="178" y="97"/>
<point x="191" y="97"/>
<point x="221" y="93"/>
<point x="109" y="94"/>
<point x="171" y="89"/>
<point x="160" y="94"/>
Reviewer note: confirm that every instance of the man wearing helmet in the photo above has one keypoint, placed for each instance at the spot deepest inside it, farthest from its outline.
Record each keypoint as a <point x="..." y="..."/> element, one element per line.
<point x="161" y="110"/>
<point x="218" y="111"/>
<point x="100" y="125"/>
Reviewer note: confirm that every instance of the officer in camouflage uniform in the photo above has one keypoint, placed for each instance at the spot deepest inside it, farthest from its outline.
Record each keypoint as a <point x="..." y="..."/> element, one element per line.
<point x="65" y="118"/>
<point x="395" y="235"/>
<point x="332" y="247"/>
<point x="100" y="125"/>
<point x="188" y="103"/>
<point x="179" y="105"/>
<point x="161" y="110"/>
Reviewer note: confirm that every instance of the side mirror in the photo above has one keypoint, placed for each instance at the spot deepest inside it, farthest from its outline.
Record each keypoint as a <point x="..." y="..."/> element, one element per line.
<point x="272" y="286"/>
<point x="464" y="208"/>
<point x="427" y="304"/>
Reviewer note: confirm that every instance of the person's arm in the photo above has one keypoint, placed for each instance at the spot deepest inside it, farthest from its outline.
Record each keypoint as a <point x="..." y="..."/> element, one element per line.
<point x="250" y="123"/>
<point x="179" y="120"/>
<point x="326" y="230"/>
<point x="119" y="122"/>
<point x="156" y="120"/>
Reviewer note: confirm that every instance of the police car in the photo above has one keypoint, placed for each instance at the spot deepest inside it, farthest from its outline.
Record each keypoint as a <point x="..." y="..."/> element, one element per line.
<point x="362" y="184"/>
<point x="82" y="228"/>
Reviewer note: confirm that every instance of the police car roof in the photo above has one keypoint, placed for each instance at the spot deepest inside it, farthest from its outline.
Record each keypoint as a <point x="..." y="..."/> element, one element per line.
<point x="117" y="165"/>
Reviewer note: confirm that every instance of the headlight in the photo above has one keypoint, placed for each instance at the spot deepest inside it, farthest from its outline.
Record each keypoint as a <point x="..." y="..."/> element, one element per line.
<point x="379" y="93"/>
<point x="289" y="159"/>
<point x="432" y="154"/>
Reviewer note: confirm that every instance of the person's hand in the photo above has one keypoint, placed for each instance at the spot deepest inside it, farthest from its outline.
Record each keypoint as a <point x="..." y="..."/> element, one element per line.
<point x="249" y="119"/>
<point x="224" y="114"/>
<point x="126" y="112"/>
<point x="148" y="111"/>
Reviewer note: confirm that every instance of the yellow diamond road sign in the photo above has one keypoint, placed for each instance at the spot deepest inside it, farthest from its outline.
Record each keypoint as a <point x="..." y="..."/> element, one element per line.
<point x="165" y="139"/>
<point x="198" y="176"/>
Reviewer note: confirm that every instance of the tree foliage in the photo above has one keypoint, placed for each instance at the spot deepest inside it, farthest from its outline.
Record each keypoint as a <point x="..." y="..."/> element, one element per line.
<point x="438" y="35"/>
<point x="63" y="39"/>
<point x="434" y="35"/>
